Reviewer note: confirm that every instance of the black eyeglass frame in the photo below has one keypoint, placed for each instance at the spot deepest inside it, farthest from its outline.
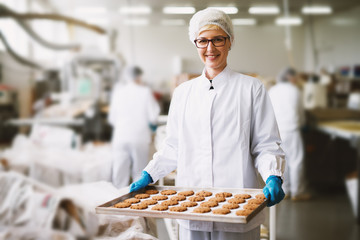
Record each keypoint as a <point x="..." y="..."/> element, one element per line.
<point x="212" y="41"/>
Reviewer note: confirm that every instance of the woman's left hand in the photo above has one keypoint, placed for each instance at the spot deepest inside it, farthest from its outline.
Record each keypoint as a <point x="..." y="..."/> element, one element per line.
<point x="273" y="191"/>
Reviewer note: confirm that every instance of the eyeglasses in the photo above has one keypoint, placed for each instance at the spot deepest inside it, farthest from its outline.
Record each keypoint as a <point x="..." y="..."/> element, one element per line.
<point x="217" y="42"/>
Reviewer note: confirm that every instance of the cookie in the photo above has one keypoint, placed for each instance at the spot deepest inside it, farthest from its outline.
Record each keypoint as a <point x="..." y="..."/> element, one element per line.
<point x="168" y="192"/>
<point x="159" y="207"/>
<point x="122" y="205"/>
<point x="178" y="209"/>
<point x="201" y="210"/>
<point x="236" y="200"/>
<point x="209" y="204"/>
<point x="196" y="199"/>
<point x="149" y="202"/>
<point x="244" y="212"/>
<point x="223" y="194"/>
<point x="169" y="202"/>
<point x="151" y="191"/>
<point x="186" y="193"/>
<point x="142" y="196"/>
<point x="188" y="204"/>
<point x="132" y="200"/>
<point x="204" y="193"/>
<point x="139" y="206"/>
<point x="231" y="205"/>
<point x="178" y="198"/>
<point x="250" y="206"/>
<point x="244" y="196"/>
<point x="159" y="197"/>
<point x="255" y="201"/>
<point x="260" y="196"/>
<point x="222" y="211"/>
<point x="217" y="199"/>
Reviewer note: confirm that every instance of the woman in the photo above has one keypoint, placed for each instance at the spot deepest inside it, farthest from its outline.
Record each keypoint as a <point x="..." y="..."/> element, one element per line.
<point x="221" y="131"/>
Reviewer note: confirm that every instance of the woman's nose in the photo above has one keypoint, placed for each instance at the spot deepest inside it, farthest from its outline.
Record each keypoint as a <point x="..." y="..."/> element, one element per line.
<point x="210" y="46"/>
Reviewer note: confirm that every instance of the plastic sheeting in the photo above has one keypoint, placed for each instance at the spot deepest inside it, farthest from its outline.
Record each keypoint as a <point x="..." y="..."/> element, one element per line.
<point x="31" y="210"/>
<point x="59" y="167"/>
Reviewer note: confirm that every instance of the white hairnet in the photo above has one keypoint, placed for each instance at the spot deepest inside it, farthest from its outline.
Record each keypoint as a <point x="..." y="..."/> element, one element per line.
<point x="210" y="16"/>
<point x="284" y="74"/>
<point x="132" y="73"/>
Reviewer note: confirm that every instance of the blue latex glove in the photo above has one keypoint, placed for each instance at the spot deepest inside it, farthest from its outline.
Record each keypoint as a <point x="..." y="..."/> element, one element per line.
<point x="153" y="127"/>
<point x="273" y="191"/>
<point x="142" y="182"/>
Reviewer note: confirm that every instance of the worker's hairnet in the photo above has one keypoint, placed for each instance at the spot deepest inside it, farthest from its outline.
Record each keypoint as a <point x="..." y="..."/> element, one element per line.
<point x="210" y="16"/>
<point x="133" y="72"/>
<point x="284" y="74"/>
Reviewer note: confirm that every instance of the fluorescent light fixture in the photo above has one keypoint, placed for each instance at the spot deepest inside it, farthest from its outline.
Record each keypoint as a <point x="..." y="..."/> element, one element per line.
<point x="295" y="21"/>
<point x="135" y="10"/>
<point x="227" y="10"/>
<point x="97" y="21"/>
<point x="316" y="10"/>
<point x="244" y="21"/>
<point x="264" y="10"/>
<point x="344" y="22"/>
<point x="178" y="10"/>
<point x="90" y="10"/>
<point x="173" y="22"/>
<point x="136" y="21"/>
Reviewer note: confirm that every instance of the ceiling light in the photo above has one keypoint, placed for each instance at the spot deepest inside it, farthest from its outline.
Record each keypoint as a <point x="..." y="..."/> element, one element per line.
<point x="244" y="21"/>
<point x="264" y="10"/>
<point x="316" y="10"/>
<point x="295" y="21"/>
<point x="227" y="10"/>
<point x="178" y="10"/>
<point x="90" y="10"/>
<point x="136" y="21"/>
<point x="97" y="21"/>
<point x="173" y="22"/>
<point x="135" y="10"/>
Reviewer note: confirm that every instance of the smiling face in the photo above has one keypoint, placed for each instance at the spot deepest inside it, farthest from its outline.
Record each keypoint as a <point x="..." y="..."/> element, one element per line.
<point x="214" y="58"/>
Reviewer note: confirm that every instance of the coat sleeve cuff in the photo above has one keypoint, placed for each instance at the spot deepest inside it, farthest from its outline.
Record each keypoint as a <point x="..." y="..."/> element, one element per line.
<point x="151" y="169"/>
<point x="267" y="174"/>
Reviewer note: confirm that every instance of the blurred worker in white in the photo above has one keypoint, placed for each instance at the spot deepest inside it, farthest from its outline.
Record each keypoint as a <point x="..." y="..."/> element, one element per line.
<point x="221" y="132"/>
<point x="133" y="112"/>
<point x="290" y="115"/>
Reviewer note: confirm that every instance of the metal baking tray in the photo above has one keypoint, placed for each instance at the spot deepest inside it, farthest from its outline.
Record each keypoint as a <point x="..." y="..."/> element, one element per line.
<point x="107" y="208"/>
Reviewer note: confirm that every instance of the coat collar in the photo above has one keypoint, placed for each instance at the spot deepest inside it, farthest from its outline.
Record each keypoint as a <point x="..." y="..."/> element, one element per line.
<point x="218" y="81"/>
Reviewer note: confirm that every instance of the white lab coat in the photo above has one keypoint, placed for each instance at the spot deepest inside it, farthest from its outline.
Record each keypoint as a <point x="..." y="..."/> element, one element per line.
<point x="219" y="138"/>
<point x="132" y="109"/>
<point x="289" y="111"/>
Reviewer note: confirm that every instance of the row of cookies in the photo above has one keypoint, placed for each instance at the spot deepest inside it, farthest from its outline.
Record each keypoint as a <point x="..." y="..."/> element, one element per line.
<point x="200" y="196"/>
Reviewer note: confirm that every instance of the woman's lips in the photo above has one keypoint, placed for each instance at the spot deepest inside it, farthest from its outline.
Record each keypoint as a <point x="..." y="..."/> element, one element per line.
<point x="211" y="57"/>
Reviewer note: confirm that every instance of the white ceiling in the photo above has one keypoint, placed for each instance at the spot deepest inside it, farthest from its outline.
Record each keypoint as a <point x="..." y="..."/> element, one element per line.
<point x="67" y="6"/>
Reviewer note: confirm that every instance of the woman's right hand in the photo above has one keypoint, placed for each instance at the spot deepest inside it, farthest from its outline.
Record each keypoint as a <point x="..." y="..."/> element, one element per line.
<point x="142" y="182"/>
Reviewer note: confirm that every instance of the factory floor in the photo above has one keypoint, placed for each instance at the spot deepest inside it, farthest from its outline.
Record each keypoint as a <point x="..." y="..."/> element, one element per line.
<point x="325" y="217"/>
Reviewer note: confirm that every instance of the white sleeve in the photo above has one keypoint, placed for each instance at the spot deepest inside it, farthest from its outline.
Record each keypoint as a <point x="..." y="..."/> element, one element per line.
<point x="165" y="160"/>
<point x="112" y="107"/>
<point x="269" y="158"/>
<point x="153" y="109"/>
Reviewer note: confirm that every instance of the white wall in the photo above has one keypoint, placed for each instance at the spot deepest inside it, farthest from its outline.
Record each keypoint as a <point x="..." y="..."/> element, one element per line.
<point x="258" y="49"/>
<point x="336" y="41"/>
